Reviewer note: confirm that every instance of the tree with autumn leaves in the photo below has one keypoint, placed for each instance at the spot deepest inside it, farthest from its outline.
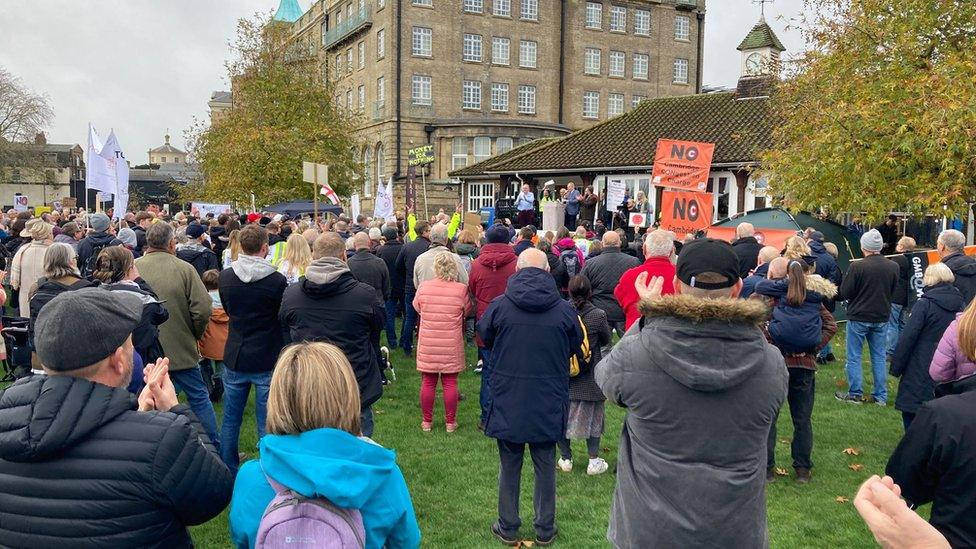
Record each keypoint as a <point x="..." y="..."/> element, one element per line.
<point x="283" y="113"/>
<point x="879" y="114"/>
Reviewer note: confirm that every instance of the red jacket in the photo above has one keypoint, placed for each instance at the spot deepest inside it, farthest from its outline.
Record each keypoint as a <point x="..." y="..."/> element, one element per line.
<point x="626" y="294"/>
<point x="489" y="274"/>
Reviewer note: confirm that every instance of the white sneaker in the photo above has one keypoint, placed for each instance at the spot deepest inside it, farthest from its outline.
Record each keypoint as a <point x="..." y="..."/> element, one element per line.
<point x="565" y="465"/>
<point x="597" y="466"/>
<point x="477" y="368"/>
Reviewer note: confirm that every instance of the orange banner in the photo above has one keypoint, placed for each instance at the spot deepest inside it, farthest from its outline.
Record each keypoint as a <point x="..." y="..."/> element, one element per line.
<point x="767" y="237"/>
<point x="682" y="164"/>
<point x="685" y="212"/>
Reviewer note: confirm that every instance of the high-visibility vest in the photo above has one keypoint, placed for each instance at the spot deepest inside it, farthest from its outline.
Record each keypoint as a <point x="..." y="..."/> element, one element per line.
<point x="276" y="253"/>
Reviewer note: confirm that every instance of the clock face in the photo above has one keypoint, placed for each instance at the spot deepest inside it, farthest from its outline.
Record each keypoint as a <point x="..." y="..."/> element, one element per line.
<point x="754" y="64"/>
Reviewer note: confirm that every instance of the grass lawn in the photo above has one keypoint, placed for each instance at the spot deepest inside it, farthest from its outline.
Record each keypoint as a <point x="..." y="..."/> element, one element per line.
<point x="453" y="477"/>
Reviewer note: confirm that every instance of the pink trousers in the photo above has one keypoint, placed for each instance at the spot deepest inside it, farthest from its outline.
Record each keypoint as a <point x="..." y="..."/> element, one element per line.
<point x="428" y="391"/>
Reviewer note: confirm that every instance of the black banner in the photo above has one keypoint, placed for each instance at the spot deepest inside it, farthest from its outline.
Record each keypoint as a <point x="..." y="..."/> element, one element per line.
<point x="412" y="188"/>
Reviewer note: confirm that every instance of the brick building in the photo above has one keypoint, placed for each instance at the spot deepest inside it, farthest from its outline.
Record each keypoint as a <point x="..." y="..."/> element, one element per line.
<point x="476" y="78"/>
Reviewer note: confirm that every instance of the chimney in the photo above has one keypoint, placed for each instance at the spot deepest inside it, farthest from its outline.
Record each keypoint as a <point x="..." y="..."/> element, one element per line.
<point x="754" y="86"/>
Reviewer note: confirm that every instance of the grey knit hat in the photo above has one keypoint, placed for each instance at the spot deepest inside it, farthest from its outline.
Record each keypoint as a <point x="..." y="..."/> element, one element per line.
<point x="871" y="241"/>
<point x="77" y="329"/>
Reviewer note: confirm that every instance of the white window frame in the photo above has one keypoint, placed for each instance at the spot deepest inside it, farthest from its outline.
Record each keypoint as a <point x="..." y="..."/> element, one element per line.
<point x="381" y="92"/>
<point x="617" y="64"/>
<point x="349" y="63"/>
<point x="379" y="159"/>
<point x="503" y="145"/>
<point x="362" y="54"/>
<point x="526" y="99"/>
<point x="528" y="54"/>
<point x="640" y="66"/>
<point x="473" y="6"/>
<point x="591" y="105"/>
<point x="636" y="99"/>
<point x="615" y="104"/>
<point x="682" y="28"/>
<point x="380" y="4"/>
<point x="381" y="43"/>
<point x="529" y="10"/>
<point x="594" y="16"/>
<point x="480" y="195"/>
<point x="618" y="19"/>
<point x="499" y="97"/>
<point x="368" y="170"/>
<point x="481" y="142"/>
<point x="680" y="75"/>
<point x="591" y="61"/>
<point x="471" y="50"/>
<point x="349" y="101"/>
<point x="501" y="8"/>
<point x="424" y="3"/>
<point x="471" y="94"/>
<point x="459" y="159"/>
<point x="644" y="18"/>
<point x="362" y="98"/>
<point x="422" y="42"/>
<point x="420" y="90"/>
<point x="501" y="50"/>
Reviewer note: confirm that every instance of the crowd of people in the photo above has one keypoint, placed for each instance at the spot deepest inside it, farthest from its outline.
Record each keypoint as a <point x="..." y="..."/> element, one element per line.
<point x="712" y="339"/>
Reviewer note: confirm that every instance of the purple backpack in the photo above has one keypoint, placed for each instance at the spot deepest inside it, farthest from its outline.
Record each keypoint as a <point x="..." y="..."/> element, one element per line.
<point x="293" y="520"/>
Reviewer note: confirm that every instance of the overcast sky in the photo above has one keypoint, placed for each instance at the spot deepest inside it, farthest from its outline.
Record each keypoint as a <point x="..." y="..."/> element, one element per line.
<point x="142" y="66"/>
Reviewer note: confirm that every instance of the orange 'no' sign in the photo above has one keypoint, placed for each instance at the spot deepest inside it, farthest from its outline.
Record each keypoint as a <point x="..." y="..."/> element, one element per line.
<point x="682" y="164"/>
<point x="685" y="212"/>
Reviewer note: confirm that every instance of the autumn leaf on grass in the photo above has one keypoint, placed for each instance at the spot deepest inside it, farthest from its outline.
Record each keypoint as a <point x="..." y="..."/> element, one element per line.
<point x="852" y="451"/>
<point x="840" y="383"/>
<point x="780" y="472"/>
<point x="841" y="499"/>
<point x="785" y="441"/>
<point x="525" y="543"/>
<point x="856" y="467"/>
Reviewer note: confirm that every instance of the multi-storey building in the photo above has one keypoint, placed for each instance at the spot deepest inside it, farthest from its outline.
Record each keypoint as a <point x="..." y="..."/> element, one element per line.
<point x="476" y="78"/>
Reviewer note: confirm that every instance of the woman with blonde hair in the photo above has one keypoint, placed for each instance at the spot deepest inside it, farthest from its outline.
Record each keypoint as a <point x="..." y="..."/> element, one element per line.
<point x="28" y="264"/>
<point x="60" y="274"/>
<point x="442" y="303"/>
<point x="931" y="315"/>
<point x="314" y="448"/>
<point x="233" y="250"/>
<point x="298" y="256"/>
<point x="467" y="247"/>
<point x="796" y="249"/>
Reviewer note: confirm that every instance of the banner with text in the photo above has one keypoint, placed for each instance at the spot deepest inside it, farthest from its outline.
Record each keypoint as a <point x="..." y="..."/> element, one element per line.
<point x="205" y="208"/>
<point x="685" y="212"/>
<point x="682" y="164"/>
<point x="411" y="198"/>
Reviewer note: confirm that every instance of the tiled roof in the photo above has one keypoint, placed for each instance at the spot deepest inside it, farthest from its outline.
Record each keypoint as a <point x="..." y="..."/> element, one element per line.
<point x="484" y="165"/>
<point x="761" y="36"/>
<point x="740" y="129"/>
<point x="167" y="148"/>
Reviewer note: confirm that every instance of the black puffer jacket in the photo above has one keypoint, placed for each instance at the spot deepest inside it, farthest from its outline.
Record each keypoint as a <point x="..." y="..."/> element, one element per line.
<point x="200" y="257"/>
<point x="963" y="268"/>
<point x="47" y="290"/>
<point x="80" y="467"/>
<point x="388" y="253"/>
<point x="408" y="259"/>
<point x="89" y="248"/>
<point x="604" y="272"/>
<point x="145" y="338"/>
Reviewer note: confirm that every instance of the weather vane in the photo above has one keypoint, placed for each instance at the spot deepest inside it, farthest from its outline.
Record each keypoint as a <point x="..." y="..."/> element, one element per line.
<point x="762" y="7"/>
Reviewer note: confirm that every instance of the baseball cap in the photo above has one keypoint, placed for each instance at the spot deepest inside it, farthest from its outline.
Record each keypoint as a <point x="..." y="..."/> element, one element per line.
<point x="195" y="231"/>
<point x="708" y="255"/>
<point x="817" y="235"/>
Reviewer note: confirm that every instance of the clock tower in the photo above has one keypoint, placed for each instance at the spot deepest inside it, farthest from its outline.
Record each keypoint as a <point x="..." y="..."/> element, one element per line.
<point x="761" y="54"/>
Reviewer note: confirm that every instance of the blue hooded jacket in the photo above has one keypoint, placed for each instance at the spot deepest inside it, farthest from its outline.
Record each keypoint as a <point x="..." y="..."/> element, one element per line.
<point x="350" y="472"/>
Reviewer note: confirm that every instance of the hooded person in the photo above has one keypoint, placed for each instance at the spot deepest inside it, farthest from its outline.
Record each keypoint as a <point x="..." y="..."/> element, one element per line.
<point x="89" y="247"/>
<point x="251" y="292"/>
<point x="699" y="409"/>
<point x="81" y="458"/>
<point x="329" y="304"/>
<point x="951" y="248"/>
<point x="196" y="252"/>
<point x="130" y="241"/>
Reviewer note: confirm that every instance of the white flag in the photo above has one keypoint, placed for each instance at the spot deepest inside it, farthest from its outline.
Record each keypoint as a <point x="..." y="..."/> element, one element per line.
<point x="383" y="207"/>
<point x="112" y="153"/>
<point x="354" y="205"/>
<point x="98" y="176"/>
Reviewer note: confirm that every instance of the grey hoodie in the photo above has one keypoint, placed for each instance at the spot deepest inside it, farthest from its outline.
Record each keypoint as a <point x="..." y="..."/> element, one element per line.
<point x="249" y="268"/>
<point x="325" y="270"/>
<point x="701" y="386"/>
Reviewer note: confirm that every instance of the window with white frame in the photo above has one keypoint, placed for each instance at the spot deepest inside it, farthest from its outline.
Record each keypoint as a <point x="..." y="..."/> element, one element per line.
<point x="338" y="18"/>
<point x="480" y="195"/>
<point x="380" y="43"/>
<point x="501" y="8"/>
<point x="530" y="10"/>
<point x="523" y="141"/>
<point x="473" y="6"/>
<point x="380" y="4"/>
<point x="381" y="92"/>
<point x="380" y="163"/>
<point x="682" y="27"/>
<point x="617" y="63"/>
<point x="362" y="55"/>
<point x="526" y="100"/>
<point x="635" y="100"/>
<point x="368" y="170"/>
<point x="362" y="7"/>
<point x="482" y="148"/>
<point x="348" y="101"/>
<point x="591" y="104"/>
<point x="420" y="90"/>
<point x="594" y="15"/>
<point x="471" y="94"/>
<point x="459" y="152"/>
<point x="528" y="53"/>
<point x="499" y="97"/>
<point x="503" y="145"/>
<point x="591" y="61"/>
<point x="640" y="66"/>
<point x="349" y="11"/>
<point x="349" y="65"/>
<point x="426" y="3"/>
<point x="362" y="98"/>
<point x="422" y="39"/>
<point x="500" y="50"/>
<point x="618" y="19"/>
<point x="642" y="22"/>
<point x="615" y="104"/>
<point x="338" y="66"/>
<point x="472" y="48"/>
<point x="680" y="71"/>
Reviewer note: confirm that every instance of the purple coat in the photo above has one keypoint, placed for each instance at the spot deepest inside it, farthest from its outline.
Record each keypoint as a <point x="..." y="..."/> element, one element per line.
<point x="949" y="362"/>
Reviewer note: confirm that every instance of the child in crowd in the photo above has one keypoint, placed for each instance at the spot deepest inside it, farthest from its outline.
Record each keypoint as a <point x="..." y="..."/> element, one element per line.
<point x="214" y="339"/>
<point x="298" y="256"/>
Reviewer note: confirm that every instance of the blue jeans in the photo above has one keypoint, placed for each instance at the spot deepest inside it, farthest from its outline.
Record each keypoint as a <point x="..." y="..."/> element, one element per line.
<point x="896" y="323"/>
<point x="876" y="335"/>
<point x="237" y="386"/>
<point x="391" y="312"/>
<point x="191" y="383"/>
<point x="409" y="321"/>
<point x="366" y="421"/>
<point x="485" y="397"/>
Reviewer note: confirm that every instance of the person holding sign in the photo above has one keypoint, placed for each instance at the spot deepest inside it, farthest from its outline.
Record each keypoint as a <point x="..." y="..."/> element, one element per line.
<point x="525" y="204"/>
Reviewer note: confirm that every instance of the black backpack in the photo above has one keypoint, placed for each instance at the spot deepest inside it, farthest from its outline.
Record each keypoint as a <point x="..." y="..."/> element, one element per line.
<point x="571" y="262"/>
<point x="89" y="267"/>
